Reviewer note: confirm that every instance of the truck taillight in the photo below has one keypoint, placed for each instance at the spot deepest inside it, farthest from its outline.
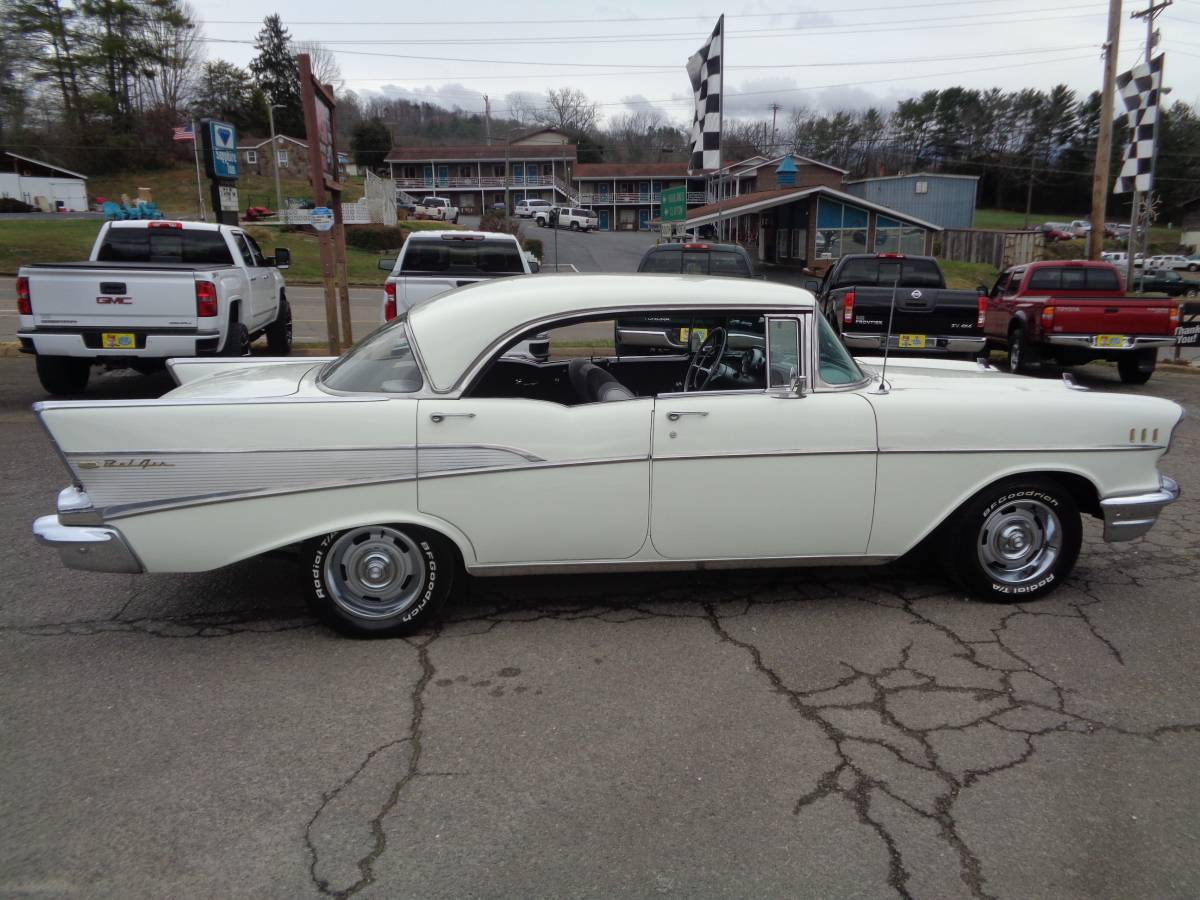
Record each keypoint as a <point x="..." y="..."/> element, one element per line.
<point x="848" y="308"/>
<point x="1048" y="318"/>
<point x="389" y="301"/>
<point x="982" y="317"/>
<point x="206" y="299"/>
<point x="1174" y="313"/>
<point x="24" y="301"/>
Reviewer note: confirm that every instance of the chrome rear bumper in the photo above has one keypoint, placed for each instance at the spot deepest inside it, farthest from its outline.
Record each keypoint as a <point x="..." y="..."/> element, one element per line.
<point x="93" y="548"/>
<point x="1126" y="518"/>
<point x="934" y="342"/>
<point x="1088" y="341"/>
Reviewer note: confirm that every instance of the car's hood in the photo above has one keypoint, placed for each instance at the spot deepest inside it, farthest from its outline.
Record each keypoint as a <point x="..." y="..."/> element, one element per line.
<point x="243" y="379"/>
<point x="949" y="375"/>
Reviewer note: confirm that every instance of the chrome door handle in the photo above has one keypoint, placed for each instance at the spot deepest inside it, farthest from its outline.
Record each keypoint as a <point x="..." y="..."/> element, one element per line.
<point x="676" y="415"/>
<point x="442" y="417"/>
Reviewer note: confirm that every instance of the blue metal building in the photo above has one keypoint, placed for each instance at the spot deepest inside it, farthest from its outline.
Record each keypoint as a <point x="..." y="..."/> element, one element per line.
<point x="945" y="200"/>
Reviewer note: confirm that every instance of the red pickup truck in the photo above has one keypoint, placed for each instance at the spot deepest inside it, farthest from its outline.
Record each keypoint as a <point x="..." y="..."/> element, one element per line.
<point x="1075" y="311"/>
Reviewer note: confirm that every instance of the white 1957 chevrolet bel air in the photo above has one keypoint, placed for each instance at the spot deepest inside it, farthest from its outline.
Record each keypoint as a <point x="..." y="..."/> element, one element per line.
<point x="431" y="448"/>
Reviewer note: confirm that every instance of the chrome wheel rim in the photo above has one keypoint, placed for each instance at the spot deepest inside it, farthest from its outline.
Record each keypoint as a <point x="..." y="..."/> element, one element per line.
<point x="1020" y="541"/>
<point x="375" y="572"/>
<point x="1014" y="353"/>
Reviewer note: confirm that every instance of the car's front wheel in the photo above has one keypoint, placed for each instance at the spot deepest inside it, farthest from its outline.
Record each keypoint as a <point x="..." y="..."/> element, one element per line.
<point x="380" y="580"/>
<point x="1013" y="541"/>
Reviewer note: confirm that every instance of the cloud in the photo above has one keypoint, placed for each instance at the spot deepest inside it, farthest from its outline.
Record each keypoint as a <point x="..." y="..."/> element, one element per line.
<point x="450" y="96"/>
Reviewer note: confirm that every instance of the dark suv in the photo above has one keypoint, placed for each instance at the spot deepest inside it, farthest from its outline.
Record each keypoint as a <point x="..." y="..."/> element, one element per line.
<point x="663" y="333"/>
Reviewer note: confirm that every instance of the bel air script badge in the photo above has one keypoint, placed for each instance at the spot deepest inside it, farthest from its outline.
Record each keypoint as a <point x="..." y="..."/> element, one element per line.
<point x="145" y="463"/>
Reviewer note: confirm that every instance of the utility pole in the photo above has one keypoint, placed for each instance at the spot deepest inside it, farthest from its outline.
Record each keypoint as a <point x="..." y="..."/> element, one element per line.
<point x="1150" y="13"/>
<point x="774" y="113"/>
<point x="1103" y="163"/>
<point x="487" y="120"/>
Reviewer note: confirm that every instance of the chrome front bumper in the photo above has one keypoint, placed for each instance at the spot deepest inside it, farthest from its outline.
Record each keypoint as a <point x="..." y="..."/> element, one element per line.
<point x="1126" y="518"/>
<point x="936" y="342"/>
<point x="1088" y="342"/>
<point x="88" y="545"/>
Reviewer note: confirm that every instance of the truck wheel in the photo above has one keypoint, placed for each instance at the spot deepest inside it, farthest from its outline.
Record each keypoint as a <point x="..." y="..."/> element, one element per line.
<point x="380" y="580"/>
<point x="1013" y="541"/>
<point x="574" y="226"/>
<point x="237" y="340"/>
<point x="64" y="374"/>
<point x="279" y="332"/>
<point x="1137" y="368"/>
<point x="1023" y="357"/>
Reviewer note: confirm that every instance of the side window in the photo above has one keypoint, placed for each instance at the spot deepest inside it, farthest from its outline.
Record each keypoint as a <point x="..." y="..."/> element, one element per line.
<point x="244" y="250"/>
<point x="783" y="352"/>
<point x="259" y="258"/>
<point x="1014" y="283"/>
<point x="999" y="285"/>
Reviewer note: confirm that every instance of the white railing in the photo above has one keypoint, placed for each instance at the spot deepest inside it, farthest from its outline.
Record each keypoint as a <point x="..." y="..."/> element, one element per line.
<point x="567" y="191"/>
<point x="380" y="195"/>
<point x="476" y="182"/>
<point x="637" y="197"/>
<point x="352" y="214"/>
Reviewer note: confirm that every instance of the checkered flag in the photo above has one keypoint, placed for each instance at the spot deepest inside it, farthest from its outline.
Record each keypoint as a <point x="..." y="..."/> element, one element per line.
<point x="704" y="69"/>
<point x="1139" y="89"/>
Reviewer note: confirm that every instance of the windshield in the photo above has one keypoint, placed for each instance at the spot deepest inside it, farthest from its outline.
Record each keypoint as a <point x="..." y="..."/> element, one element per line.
<point x="164" y="245"/>
<point x="873" y="271"/>
<point x="382" y="363"/>
<point x="836" y="364"/>
<point x="463" y="257"/>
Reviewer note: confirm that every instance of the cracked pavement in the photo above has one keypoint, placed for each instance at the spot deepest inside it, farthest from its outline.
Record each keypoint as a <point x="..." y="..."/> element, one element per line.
<point x="825" y="732"/>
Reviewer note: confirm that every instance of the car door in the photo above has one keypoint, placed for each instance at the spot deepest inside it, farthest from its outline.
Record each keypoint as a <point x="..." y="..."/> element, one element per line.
<point x="260" y="310"/>
<point x="764" y="473"/>
<point x="531" y="480"/>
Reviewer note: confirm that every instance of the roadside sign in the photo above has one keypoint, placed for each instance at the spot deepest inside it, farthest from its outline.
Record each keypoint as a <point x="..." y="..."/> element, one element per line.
<point x="673" y="205"/>
<point x="222" y="140"/>
<point x="229" y="197"/>
<point x="322" y="218"/>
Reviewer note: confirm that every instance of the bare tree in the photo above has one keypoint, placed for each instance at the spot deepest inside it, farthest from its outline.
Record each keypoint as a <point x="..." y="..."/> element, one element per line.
<point x="324" y="64"/>
<point x="171" y="79"/>
<point x="521" y="108"/>
<point x="569" y="109"/>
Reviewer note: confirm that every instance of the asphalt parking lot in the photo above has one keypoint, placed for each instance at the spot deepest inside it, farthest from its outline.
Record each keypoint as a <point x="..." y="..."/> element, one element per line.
<point x="781" y="733"/>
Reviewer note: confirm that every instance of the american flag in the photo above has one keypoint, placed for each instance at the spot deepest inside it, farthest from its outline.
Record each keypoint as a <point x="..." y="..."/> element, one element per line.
<point x="183" y="133"/>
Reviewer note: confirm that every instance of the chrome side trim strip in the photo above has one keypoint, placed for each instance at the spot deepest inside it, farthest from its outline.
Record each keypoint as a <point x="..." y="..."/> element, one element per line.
<point x="544" y="464"/>
<point x="47" y="405"/>
<point x="1108" y="448"/>
<point x="673" y="565"/>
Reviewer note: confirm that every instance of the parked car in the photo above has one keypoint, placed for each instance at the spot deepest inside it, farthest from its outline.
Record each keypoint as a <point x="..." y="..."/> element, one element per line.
<point x="1057" y="231"/>
<point x="150" y="291"/>
<point x="1193" y="262"/>
<point x="424" y="452"/>
<point x="526" y="208"/>
<point x="568" y="217"/>
<point x="632" y="336"/>
<point x="436" y="208"/>
<point x="433" y="262"/>
<point x="1163" y="281"/>
<point x="1169" y="261"/>
<point x="1076" y="311"/>
<point x="1118" y="258"/>
<point x="1080" y="227"/>
<point x="867" y="296"/>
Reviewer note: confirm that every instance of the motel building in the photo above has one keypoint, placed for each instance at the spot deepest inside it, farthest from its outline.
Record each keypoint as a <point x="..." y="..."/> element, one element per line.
<point x="475" y="177"/>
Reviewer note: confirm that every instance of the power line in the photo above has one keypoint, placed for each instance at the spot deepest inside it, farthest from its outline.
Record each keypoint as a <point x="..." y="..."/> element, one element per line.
<point x="622" y="19"/>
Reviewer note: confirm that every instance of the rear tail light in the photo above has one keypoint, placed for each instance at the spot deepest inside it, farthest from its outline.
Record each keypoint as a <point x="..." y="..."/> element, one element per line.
<point x="1048" y="318"/>
<point x="24" y="301"/>
<point x="1174" y="316"/>
<point x="982" y="317"/>
<point x="206" y="299"/>
<point x="389" y="301"/>
<point x="848" y="308"/>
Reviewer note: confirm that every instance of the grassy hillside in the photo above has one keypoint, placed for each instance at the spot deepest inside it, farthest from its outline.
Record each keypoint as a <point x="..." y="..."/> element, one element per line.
<point x="175" y="189"/>
<point x="1006" y="219"/>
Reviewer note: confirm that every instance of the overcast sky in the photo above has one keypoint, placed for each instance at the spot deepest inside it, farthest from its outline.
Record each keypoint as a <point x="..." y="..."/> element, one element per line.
<point x="860" y="53"/>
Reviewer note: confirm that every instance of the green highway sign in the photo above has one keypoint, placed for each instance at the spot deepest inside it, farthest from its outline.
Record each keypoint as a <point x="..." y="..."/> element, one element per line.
<point x="673" y="205"/>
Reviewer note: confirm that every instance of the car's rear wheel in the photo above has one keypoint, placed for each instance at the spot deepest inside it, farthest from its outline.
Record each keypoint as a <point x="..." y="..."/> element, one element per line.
<point x="574" y="226"/>
<point x="1022" y="357"/>
<point x="64" y="374"/>
<point x="237" y="341"/>
<point x="279" y="332"/>
<point x="1013" y="541"/>
<point x="380" y="580"/>
<point x="1138" y="367"/>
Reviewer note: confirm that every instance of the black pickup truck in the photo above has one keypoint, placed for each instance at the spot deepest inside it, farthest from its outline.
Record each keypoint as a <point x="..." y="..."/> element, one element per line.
<point x="856" y="298"/>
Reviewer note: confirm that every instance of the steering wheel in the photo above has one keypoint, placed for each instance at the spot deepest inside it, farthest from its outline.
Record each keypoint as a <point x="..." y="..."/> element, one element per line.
<point x="705" y="361"/>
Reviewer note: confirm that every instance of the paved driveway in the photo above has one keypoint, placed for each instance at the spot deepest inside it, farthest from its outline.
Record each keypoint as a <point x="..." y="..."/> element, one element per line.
<point x="791" y="733"/>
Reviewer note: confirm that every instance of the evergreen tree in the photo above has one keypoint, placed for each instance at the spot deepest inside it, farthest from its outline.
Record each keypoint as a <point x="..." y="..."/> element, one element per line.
<point x="275" y="72"/>
<point x="370" y="142"/>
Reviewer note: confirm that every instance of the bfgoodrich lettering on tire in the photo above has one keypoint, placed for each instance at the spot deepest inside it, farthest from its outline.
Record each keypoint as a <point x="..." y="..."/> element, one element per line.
<point x="1013" y="541"/>
<point x="380" y="580"/>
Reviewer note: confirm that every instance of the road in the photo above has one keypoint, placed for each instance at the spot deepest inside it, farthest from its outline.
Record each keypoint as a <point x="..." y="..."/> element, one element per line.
<point x="785" y="733"/>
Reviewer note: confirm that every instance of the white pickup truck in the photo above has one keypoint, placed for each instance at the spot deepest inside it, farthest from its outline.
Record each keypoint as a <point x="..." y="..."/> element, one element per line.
<point x="436" y="208"/>
<point x="433" y="262"/>
<point x="150" y="291"/>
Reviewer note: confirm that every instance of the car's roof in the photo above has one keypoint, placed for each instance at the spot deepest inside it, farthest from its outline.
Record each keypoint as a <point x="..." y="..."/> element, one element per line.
<point x="455" y="329"/>
<point x="451" y="234"/>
